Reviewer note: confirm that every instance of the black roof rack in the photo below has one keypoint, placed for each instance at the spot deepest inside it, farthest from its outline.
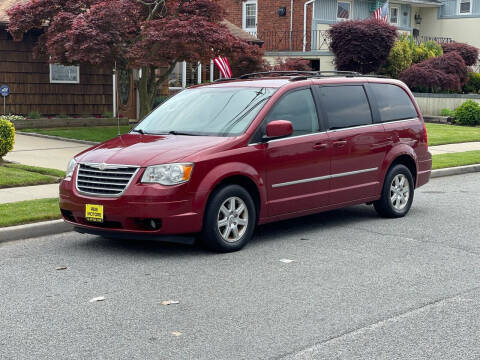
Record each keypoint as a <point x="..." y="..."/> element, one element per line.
<point x="302" y="75"/>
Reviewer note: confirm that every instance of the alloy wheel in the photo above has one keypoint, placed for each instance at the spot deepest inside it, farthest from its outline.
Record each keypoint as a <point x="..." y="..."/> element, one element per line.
<point x="232" y="219"/>
<point x="399" y="192"/>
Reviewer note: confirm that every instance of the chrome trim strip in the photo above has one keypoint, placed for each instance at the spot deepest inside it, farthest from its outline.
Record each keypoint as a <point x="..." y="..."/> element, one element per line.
<point x="326" y="177"/>
<point x="110" y="166"/>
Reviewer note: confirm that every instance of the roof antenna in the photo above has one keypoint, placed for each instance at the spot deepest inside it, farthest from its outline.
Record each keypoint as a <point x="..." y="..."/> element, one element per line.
<point x="116" y="97"/>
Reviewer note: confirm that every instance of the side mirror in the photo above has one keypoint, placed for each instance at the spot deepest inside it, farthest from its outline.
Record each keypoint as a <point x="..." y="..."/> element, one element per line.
<point x="278" y="129"/>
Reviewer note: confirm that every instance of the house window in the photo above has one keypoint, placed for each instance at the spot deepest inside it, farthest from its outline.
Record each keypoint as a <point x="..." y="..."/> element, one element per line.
<point x="249" y="17"/>
<point x="344" y="10"/>
<point x="465" y="7"/>
<point x="61" y="74"/>
<point x="394" y="11"/>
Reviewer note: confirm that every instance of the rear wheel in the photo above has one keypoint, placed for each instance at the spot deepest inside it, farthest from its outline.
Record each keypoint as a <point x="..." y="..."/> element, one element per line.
<point x="397" y="193"/>
<point x="230" y="219"/>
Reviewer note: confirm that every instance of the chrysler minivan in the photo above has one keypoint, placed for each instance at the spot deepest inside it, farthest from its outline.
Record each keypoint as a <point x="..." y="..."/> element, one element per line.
<point x="216" y="160"/>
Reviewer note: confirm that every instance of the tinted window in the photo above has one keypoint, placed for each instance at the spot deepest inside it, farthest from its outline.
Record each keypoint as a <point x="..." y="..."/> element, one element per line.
<point x="346" y="106"/>
<point x="393" y="102"/>
<point x="299" y="108"/>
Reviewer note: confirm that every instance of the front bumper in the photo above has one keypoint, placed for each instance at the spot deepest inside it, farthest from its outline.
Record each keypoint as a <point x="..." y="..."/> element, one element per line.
<point x="129" y="215"/>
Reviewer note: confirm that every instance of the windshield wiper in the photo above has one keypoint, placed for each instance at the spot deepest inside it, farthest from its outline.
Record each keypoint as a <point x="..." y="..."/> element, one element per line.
<point x="181" y="133"/>
<point x="140" y="131"/>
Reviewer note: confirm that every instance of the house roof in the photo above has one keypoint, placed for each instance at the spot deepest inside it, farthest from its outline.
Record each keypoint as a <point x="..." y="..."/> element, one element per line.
<point x="240" y="33"/>
<point x="5" y="5"/>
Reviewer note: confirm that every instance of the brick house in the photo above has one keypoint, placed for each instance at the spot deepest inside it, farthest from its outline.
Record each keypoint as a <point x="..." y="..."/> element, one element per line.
<point x="299" y="28"/>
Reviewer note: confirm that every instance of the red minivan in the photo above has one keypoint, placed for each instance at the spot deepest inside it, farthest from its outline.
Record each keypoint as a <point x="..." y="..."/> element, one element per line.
<point x="218" y="159"/>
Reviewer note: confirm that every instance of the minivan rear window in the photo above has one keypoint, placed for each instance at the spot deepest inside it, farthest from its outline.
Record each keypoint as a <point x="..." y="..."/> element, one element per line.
<point x="211" y="111"/>
<point x="393" y="102"/>
<point x="346" y="106"/>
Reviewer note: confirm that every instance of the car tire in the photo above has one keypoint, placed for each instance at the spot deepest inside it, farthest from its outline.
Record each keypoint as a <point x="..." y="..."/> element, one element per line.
<point x="397" y="193"/>
<point x="230" y="219"/>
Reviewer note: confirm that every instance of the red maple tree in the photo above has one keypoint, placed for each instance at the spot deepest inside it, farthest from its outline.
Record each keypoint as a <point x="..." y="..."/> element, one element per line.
<point x="149" y="34"/>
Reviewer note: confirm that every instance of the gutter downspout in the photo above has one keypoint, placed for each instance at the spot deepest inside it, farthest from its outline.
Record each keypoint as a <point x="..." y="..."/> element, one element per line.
<point x="305" y="21"/>
<point x="291" y="23"/>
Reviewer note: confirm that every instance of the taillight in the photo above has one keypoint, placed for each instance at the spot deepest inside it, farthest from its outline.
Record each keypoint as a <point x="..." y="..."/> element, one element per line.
<point x="425" y="136"/>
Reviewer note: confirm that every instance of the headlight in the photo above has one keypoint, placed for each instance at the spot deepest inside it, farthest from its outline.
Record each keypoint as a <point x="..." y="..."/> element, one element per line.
<point x="168" y="174"/>
<point x="70" y="169"/>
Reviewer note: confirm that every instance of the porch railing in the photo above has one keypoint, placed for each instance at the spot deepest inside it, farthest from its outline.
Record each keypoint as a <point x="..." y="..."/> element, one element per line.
<point x="316" y="40"/>
<point x="437" y="39"/>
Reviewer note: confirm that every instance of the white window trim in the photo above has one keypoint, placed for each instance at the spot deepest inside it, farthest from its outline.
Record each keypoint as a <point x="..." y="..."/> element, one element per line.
<point x="244" y="16"/>
<point x="390" y="14"/>
<point x="65" y="81"/>
<point x="458" y="8"/>
<point x="350" y="15"/>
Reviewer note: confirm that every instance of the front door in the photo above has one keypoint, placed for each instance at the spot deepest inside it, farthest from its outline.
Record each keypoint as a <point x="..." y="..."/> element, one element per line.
<point x="358" y="145"/>
<point x="298" y="167"/>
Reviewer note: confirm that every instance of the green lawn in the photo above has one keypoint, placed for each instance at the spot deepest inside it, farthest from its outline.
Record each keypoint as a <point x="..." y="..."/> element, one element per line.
<point x="455" y="159"/>
<point x="439" y="134"/>
<point x="96" y="133"/>
<point x="26" y="212"/>
<point x="12" y="177"/>
<point x="36" y="169"/>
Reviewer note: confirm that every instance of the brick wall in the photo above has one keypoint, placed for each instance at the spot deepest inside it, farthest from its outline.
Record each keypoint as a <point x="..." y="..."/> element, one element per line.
<point x="273" y="29"/>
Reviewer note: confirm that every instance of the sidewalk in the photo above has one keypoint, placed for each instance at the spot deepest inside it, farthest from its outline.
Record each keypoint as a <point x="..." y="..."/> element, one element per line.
<point x="28" y="193"/>
<point x="454" y="148"/>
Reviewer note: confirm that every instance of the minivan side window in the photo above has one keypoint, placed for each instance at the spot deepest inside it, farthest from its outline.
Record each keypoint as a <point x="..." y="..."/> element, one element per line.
<point x="297" y="107"/>
<point x="346" y="106"/>
<point x="393" y="102"/>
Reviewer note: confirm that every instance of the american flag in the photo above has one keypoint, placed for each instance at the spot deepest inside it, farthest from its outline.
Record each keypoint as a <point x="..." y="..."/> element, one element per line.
<point x="382" y="12"/>
<point x="223" y="66"/>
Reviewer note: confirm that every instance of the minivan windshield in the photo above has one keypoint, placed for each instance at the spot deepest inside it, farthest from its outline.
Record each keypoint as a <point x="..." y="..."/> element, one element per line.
<point x="222" y="111"/>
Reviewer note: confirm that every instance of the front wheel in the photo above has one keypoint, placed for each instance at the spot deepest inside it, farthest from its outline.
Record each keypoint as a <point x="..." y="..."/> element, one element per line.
<point x="397" y="193"/>
<point x="230" y="219"/>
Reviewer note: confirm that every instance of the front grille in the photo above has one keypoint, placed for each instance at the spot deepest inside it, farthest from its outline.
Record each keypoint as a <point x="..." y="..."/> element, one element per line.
<point x="104" y="179"/>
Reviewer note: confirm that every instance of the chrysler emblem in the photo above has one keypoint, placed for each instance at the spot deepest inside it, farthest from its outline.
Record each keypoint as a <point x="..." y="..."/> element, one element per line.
<point x="102" y="166"/>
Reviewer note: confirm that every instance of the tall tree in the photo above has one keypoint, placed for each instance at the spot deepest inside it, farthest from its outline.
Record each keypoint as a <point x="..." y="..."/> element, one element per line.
<point x="152" y="35"/>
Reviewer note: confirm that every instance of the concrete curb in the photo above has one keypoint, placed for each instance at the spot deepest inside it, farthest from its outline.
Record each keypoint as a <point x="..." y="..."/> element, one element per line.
<point x="58" y="138"/>
<point x="34" y="230"/>
<point x="456" y="170"/>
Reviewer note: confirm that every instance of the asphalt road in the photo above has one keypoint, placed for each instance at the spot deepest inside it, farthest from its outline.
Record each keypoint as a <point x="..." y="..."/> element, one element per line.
<point x="360" y="287"/>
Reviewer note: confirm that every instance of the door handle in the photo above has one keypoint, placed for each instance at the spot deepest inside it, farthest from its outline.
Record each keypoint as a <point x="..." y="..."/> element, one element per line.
<point x="320" y="146"/>
<point x="340" y="144"/>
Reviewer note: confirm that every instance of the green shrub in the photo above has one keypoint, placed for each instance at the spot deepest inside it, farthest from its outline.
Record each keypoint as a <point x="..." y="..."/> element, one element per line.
<point x="400" y="58"/>
<point x="7" y="136"/>
<point x="107" y="115"/>
<point x="34" y="115"/>
<point x="406" y="52"/>
<point x="425" y="51"/>
<point x="468" y="113"/>
<point x="447" y="112"/>
<point x="473" y="83"/>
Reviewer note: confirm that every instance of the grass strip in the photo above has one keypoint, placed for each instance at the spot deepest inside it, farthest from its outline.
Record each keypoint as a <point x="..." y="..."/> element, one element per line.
<point x="11" y="177"/>
<point x="95" y="133"/>
<point x="36" y="169"/>
<point x="25" y="212"/>
<point x="442" y="161"/>
<point x="439" y="134"/>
